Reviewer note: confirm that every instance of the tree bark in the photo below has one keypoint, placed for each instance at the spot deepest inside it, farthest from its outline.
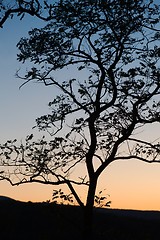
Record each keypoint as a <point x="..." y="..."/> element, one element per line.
<point x="88" y="210"/>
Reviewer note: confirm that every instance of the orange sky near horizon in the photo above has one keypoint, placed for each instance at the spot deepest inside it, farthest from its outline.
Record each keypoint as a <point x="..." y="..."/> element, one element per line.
<point x="131" y="185"/>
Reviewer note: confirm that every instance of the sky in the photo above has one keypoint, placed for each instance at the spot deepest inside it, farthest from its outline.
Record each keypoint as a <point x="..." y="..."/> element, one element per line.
<point x="129" y="184"/>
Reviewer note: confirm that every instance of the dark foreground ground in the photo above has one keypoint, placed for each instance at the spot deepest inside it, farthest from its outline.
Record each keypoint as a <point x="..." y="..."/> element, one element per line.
<point x="41" y="221"/>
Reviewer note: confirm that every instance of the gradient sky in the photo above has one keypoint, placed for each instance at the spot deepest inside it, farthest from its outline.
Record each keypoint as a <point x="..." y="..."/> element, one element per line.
<point x="130" y="184"/>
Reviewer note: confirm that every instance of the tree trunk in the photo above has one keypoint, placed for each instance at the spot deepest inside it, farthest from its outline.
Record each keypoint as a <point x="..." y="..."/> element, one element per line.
<point x="88" y="211"/>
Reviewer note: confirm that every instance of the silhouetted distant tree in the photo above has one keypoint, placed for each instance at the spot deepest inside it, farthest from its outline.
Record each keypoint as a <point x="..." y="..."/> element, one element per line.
<point x="108" y="55"/>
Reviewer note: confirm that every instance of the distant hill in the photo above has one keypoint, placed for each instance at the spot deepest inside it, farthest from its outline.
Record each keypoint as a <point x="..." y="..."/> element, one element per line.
<point x="47" y="221"/>
<point x="6" y="199"/>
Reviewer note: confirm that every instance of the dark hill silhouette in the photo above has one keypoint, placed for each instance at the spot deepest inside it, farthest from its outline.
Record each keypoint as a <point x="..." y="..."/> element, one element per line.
<point x="47" y="221"/>
<point x="6" y="199"/>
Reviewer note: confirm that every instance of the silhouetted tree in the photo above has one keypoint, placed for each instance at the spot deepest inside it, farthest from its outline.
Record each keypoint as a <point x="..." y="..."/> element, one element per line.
<point x="111" y="51"/>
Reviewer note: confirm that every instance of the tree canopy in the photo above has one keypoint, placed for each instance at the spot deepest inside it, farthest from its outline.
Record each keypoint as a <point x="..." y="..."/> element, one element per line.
<point x="111" y="51"/>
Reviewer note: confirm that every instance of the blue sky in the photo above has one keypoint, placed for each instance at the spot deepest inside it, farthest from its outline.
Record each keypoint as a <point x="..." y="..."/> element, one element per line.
<point x="19" y="108"/>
